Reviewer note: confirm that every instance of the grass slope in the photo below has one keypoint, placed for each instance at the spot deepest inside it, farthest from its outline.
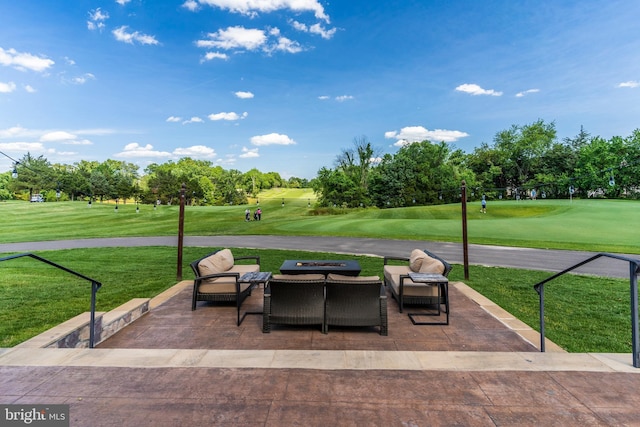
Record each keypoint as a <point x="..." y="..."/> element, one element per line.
<point x="593" y="225"/>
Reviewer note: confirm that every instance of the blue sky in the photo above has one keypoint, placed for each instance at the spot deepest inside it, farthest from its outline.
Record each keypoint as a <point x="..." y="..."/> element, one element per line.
<point x="285" y="85"/>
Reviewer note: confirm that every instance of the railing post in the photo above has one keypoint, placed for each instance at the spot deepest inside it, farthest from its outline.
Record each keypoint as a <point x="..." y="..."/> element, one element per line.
<point x="92" y="326"/>
<point x="542" y="340"/>
<point x="635" y="344"/>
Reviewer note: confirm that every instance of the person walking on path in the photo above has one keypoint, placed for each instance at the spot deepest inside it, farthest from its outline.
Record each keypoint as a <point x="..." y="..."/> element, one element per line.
<point x="484" y="204"/>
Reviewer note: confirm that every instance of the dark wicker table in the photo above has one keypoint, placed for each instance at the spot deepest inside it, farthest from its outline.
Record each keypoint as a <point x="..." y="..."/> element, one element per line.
<point x="320" y="266"/>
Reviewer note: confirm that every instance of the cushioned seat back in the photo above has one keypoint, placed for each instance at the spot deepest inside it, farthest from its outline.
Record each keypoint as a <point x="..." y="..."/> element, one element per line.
<point x="297" y="298"/>
<point x="217" y="262"/>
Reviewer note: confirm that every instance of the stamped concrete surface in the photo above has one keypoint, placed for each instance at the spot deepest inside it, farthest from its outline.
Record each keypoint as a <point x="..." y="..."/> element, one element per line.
<point x="177" y="367"/>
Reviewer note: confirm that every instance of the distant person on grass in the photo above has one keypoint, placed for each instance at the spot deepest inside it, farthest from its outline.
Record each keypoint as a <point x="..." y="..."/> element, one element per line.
<point x="484" y="204"/>
<point x="247" y="215"/>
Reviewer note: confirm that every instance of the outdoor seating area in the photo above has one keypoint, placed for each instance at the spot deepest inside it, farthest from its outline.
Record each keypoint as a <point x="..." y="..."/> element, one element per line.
<point x="325" y="293"/>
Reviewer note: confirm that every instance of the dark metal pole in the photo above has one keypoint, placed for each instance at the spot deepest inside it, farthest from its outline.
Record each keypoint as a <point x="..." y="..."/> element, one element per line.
<point x="465" y="242"/>
<point x="180" y="232"/>
<point x="542" y="339"/>
<point x="635" y="344"/>
<point x="92" y="326"/>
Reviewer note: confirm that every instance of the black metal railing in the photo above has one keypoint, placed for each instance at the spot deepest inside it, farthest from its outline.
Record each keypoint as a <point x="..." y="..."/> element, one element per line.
<point x="95" y="285"/>
<point x="634" y="269"/>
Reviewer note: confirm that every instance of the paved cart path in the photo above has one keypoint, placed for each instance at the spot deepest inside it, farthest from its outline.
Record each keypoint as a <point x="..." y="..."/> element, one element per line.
<point x="497" y="256"/>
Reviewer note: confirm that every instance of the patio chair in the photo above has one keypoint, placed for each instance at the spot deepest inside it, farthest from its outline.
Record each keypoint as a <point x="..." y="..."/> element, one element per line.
<point x="217" y="278"/>
<point x="296" y="299"/>
<point x="407" y="292"/>
<point x="355" y="301"/>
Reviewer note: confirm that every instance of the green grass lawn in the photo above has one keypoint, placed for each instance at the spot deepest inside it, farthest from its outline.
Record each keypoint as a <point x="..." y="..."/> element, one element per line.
<point x="583" y="313"/>
<point x="592" y="225"/>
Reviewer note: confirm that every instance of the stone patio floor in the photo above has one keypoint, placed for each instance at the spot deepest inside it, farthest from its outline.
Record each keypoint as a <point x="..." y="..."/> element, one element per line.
<point x="177" y="367"/>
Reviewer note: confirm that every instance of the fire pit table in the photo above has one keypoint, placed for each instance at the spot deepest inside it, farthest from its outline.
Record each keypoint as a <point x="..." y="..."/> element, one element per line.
<point x="321" y="266"/>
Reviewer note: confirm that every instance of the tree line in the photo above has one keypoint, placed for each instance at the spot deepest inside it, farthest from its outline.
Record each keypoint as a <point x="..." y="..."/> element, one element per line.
<point x="522" y="161"/>
<point x="205" y="184"/>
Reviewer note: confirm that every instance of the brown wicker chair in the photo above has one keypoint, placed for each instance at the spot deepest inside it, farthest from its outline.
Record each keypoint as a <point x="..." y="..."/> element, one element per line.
<point x="222" y="285"/>
<point x="293" y="300"/>
<point x="355" y="301"/>
<point x="406" y="292"/>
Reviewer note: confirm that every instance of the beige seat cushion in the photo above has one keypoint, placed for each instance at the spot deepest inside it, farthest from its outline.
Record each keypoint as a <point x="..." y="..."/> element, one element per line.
<point x="219" y="262"/>
<point x="415" y="259"/>
<point x="392" y="275"/>
<point x="432" y="265"/>
<point x="221" y="286"/>
<point x="420" y="262"/>
<point x="355" y="279"/>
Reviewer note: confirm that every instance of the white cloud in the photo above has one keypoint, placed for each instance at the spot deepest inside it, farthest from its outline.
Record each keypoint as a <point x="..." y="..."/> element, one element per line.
<point x="96" y="131"/>
<point x="192" y="5"/>
<point x="234" y="38"/>
<point x="122" y="35"/>
<point x="7" y="87"/>
<point x="199" y="151"/>
<point x="80" y="80"/>
<point x="78" y="142"/>
<point x="193" y="120"/>
<point x="29" y="88"/>
<point x="122" y="2"/>
<point x="314" y="29"/>
<point x="96" y="19"/>
<point x="64" y="138"/>
<point x="324" y="97"/>
<point x="16" y="132"/>
<point x="630" y="83"/>
<point x="474" y="89"/>
<point x="24" y="61"/>
<point x="248" y="153"/>
<point x="135" y="150"/>
<point x="57" y="136"/>
<point x="411" y="134"/>
<point x="272" y="139"/>
<point x="343" y="98"/>
<point x="174" y="119"/>
<point x="253" y="7"/>
<point x="285" y="45"/>
<point x="227" y="116"/>
<point x="209" y="56"/>
<point x="244" y="95"/>
<point x="526" y="92"/>
<point x="240" y="38"/>
<point x="22" y="147"/>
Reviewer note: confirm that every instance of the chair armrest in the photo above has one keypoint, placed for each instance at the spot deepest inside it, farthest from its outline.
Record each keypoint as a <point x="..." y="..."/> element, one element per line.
<point x="383" y="292"/>
<point x="394" y="258"/>
<point x="256" y="258"/>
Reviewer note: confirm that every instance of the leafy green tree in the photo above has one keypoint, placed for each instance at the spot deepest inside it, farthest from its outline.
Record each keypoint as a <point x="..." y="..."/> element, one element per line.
<point x="521" y="147"/>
